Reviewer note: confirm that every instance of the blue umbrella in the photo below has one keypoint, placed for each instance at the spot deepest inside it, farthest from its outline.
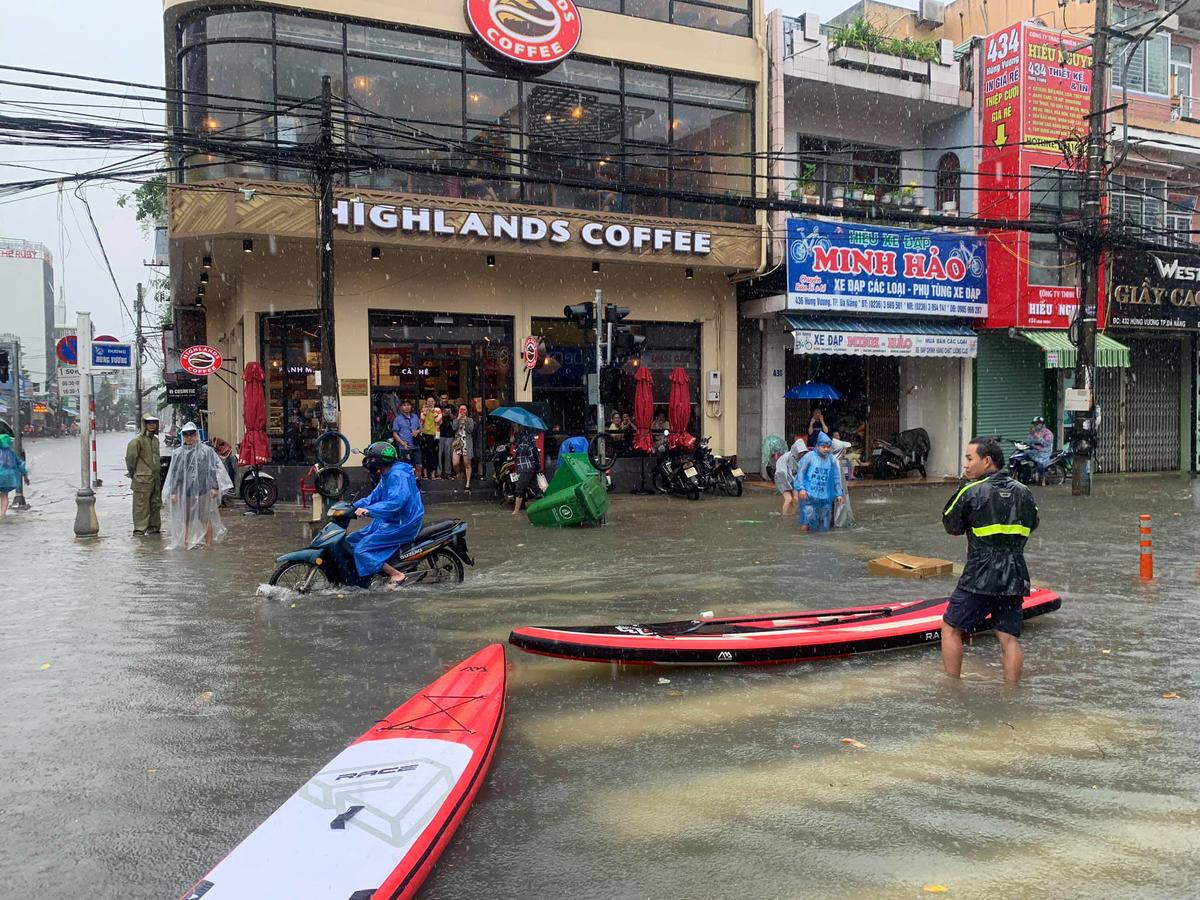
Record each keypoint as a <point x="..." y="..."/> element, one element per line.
<point x="813" y="390"/>
<point x="519" y="416"/>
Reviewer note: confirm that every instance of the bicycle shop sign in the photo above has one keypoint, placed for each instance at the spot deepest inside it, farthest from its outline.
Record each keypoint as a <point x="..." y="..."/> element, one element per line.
<point x="840" y="267"/>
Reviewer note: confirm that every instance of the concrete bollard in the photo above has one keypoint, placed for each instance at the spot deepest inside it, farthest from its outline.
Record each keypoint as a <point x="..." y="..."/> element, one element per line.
<point x="1146" y="567"/>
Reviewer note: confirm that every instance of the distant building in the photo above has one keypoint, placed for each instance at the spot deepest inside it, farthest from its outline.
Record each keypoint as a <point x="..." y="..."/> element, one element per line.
<point x="27" y="305"/>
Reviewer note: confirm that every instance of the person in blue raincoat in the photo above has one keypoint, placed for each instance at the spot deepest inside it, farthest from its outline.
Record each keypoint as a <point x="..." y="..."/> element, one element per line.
<point x="819" y="486"/>
<point x="396" y="512"/>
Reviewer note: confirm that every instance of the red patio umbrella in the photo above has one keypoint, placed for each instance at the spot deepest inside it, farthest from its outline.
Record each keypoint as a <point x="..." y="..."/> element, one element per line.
<point x="255" y="449"/>
<point x="643" y="409"/>
<point x="679" y="411"/>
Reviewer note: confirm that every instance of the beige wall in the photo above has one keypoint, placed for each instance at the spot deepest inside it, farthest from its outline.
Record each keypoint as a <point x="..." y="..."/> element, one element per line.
<point x="520" y="286"/>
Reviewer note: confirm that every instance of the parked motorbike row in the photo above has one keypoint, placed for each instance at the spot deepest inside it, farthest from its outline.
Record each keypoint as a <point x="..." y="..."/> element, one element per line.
<point x="690" y="474"/>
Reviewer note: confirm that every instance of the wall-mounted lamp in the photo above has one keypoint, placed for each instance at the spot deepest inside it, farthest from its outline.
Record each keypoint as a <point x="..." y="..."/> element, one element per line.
<point x="376" y="253"/>
<point x="207" y="262"/>
<point x="204" y="278"/>
<point x="247" y="245"/>
<point x="595" y="268"/>
<point x="491" y="261"/>
<point x="689" y="274"/>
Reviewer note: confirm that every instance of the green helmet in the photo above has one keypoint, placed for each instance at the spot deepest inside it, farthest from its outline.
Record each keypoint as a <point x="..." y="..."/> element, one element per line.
<point x="382" y="451"/>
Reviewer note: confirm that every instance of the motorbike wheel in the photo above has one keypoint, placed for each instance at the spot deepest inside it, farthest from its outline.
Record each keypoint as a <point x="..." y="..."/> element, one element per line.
<point x="732" y="485"/>
<point x="1056" y="474"/>
<point x="300" y="577"/>
<point x="882" y="471"/>
<point x="439" y="567"/>
<point x="693" y="492"/>
<point x="602" y="452"/>
<point x="259" y="493"/>
<point x="658" y="480"/>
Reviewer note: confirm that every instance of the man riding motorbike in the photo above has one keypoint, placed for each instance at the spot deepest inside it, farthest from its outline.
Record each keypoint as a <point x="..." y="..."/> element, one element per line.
<point x="396" y="511"/>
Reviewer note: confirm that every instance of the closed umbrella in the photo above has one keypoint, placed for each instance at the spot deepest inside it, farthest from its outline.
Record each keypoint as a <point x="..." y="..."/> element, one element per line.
<point x="679" y="410"/>
<point x="643" y="409"/>
<point x="255" y="449"/>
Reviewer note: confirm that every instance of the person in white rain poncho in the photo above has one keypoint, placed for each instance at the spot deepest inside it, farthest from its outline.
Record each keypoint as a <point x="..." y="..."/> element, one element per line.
<point x="192" y="493"/>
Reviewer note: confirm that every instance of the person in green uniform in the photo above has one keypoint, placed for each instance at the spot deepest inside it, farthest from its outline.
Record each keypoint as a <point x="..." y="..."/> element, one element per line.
<point x="142" y="463"/>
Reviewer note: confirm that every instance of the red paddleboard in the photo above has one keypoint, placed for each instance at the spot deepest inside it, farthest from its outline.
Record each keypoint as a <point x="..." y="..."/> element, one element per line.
<point x="751" y="640"/>
<point x="372" y="823"/>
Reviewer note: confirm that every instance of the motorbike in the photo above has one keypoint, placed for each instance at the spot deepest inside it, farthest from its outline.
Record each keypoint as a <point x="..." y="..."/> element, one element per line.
<point x="717" y="472"/>
<point x="504" y="476"/>
<point x="674" y="475"/>
<point x="907" y="451"/>
<point x="437" y="554"/>
<point x="1023" y="468"/>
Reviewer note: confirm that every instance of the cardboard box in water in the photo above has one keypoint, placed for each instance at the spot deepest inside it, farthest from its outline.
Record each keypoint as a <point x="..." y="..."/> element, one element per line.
<point x="901" y="565"/>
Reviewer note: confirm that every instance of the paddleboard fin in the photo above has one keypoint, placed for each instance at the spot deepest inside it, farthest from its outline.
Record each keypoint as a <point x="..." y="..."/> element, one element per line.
<point x="339" y="823"/>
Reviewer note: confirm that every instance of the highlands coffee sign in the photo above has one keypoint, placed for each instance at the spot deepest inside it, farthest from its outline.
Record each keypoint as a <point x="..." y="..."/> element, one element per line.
<point x="1154" y="290"/>
<point x="535" y="32"/>
<point x="504" y="228"/>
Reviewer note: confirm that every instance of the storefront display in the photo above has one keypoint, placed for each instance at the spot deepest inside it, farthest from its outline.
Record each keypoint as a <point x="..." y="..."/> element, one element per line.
<point x="291" y="353"/>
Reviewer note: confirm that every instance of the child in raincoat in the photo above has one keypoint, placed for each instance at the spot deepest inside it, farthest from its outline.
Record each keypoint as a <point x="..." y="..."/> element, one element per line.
<point x="818" y="486"/>
<point x="12" y="472"/>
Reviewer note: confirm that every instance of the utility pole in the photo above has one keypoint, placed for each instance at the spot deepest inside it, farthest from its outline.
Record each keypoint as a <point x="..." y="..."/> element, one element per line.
<point x="599" y="361"/>
<point x="329" y="380"/>
<point x="86" y="523"/>
<point x="139" y="348"/>
<point x="1091" y="250"/>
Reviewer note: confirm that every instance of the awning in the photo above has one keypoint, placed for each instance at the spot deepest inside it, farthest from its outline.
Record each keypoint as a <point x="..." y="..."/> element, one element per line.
<point x="1060" y="352"/>
<point x="880" y="337"/>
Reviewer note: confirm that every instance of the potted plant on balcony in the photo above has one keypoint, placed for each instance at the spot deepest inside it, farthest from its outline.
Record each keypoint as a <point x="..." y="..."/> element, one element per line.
<point x="859" y="44"/>
<point x="806" y="184"/>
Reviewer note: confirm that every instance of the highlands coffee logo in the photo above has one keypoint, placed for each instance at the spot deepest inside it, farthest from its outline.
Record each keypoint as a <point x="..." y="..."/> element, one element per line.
<point x="539" y="32"/>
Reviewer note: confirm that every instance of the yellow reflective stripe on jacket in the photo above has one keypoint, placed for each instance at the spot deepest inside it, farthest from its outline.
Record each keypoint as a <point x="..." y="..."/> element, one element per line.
<point x="988" y="530"/>
<point x="958" y="496"/>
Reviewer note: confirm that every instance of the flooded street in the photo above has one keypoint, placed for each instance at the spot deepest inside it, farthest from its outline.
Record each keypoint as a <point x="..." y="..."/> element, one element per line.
<point x="158" y="707"/>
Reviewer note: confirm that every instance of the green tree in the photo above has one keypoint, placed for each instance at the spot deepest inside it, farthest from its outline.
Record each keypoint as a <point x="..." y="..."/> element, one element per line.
<point x="150" y="203"/>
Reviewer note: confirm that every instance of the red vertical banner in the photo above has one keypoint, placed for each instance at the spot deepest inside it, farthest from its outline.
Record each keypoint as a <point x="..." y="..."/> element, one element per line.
<point x="1033" y="103"/>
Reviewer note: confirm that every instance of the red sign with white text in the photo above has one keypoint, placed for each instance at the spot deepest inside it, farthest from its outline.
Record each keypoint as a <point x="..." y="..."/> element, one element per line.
<point x="1035" y="91"/>
<point x="536" y="32"/>
<point x="200" y="360"/>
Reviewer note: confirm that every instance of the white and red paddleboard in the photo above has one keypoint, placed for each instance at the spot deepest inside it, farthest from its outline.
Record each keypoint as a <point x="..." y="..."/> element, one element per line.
<point x="372" y="823"/>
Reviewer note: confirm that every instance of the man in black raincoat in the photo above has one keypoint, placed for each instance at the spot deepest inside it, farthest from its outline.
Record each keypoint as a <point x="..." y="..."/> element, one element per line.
<point x="997" y="514"/>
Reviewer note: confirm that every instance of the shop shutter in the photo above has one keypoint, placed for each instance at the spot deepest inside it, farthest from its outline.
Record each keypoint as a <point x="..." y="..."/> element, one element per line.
<point x="1152" y="411"/>
<point x="1109" y="432"/>
<point x="1009" y="378"/>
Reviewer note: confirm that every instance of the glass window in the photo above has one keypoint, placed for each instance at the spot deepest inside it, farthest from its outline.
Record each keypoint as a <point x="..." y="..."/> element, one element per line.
<point x="647" y="121"/>
<point x="1054" y="197"/>
<point x="710" y="18"/>
<point x="494" y="144"/>
<point x="291" y="355"/>
<point x="309" y="32"/>
<point x="647" y="169"/>
<point x="1146" y="66"/>
<point x="577" y="72"/>
<point x="648" y="84"/>
<point x="230" y="93"/>
<point x="239" y="25"/>
<point x="658" y="10"/>
<point x="404" y="45"/>
<point x="604" y="5"/>
<point x="706" y="91"/>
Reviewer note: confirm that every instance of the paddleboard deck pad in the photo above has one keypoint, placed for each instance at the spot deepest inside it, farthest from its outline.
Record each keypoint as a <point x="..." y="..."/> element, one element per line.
<point x="371" y="824"/>
<point x="756" y="640"/>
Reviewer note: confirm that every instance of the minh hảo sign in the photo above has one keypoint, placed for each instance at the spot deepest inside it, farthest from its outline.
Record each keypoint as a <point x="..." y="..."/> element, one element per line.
<point x="536" y="32"/>
<point x="836" y="267"/>
<point x="1154" y="290"/>
<point x="520" y="229"/>
<point x="868" y="343"/>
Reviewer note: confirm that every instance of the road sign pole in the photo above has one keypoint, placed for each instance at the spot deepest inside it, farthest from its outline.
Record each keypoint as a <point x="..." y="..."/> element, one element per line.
<point x="138" y="347"/>
<point x="86" y="523"/>
<point x="14" y="375"/>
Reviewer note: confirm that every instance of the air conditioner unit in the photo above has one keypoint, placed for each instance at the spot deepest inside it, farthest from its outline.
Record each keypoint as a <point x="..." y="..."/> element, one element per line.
<point x="931" y="13"/>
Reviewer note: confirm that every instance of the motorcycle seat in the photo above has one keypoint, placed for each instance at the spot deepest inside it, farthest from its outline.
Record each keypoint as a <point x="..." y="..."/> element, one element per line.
<point x="434" y="528"/>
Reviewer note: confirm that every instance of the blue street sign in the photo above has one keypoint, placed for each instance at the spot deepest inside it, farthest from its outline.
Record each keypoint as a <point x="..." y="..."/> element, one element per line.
<point x="112" y="356"/>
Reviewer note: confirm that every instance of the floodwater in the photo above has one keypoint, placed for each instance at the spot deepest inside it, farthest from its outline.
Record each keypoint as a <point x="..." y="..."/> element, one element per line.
<point x="156" y="707"/>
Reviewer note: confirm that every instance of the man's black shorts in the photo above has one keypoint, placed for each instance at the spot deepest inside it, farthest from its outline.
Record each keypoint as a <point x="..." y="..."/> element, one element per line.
<point x="967" y="612"/>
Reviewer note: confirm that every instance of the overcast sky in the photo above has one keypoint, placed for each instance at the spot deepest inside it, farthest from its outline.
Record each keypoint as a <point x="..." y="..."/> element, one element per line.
<point x="121" y="40"/>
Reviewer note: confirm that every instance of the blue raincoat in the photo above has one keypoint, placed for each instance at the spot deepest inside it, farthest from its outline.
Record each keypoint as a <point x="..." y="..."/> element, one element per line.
<point x="396" y="516"/>
<point x="821" y="478"/>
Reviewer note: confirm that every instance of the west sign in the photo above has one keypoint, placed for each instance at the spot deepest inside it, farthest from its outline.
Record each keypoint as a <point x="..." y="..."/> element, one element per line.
<point x="1154" y="290"/>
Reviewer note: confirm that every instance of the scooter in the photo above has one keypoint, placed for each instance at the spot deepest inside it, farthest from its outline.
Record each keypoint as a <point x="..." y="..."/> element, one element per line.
<point x="1025" y="470"/>
<point x="906" y="452"/>
<point x="436" y="554"/>
<point x="673" y="475"/>
<point x="718" y="472"/>
<point x="504" y="481"/>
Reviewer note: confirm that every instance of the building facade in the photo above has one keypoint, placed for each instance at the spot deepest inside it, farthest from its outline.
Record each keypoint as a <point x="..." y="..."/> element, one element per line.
<point x="27" y="309"/>
<point x="497" y="192"/>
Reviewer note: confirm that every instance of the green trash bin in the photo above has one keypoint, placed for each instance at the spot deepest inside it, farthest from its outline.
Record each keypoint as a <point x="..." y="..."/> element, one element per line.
<point x="576" y="495"/>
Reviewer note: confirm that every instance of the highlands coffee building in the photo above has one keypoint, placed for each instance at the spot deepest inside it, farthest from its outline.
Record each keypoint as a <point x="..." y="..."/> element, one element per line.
<point x="523" y="155"/>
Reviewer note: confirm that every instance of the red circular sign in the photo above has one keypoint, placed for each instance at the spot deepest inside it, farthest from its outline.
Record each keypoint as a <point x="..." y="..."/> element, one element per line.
<point x="536" y="32"/>
<point x="200" y="360"/>
<point x="529" y="352"/>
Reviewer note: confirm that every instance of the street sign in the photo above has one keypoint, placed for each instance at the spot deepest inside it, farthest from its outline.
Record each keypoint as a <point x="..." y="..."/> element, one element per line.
<point x="105" y="339"/>
<point x="200" y="360"/>
<point x="68" y="381"/>
<point x="1077" y="399"/>
<point x="187" y="392"/>
<point x="67" y="350"/>
<point x="111" y="355"/>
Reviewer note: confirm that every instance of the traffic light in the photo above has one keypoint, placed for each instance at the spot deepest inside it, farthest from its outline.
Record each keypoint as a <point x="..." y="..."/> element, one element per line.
<point x="614" y="313"/>
<point x="626" y="344"/>
<point x="582" y="314"/>
<point x="4" y="365"/>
